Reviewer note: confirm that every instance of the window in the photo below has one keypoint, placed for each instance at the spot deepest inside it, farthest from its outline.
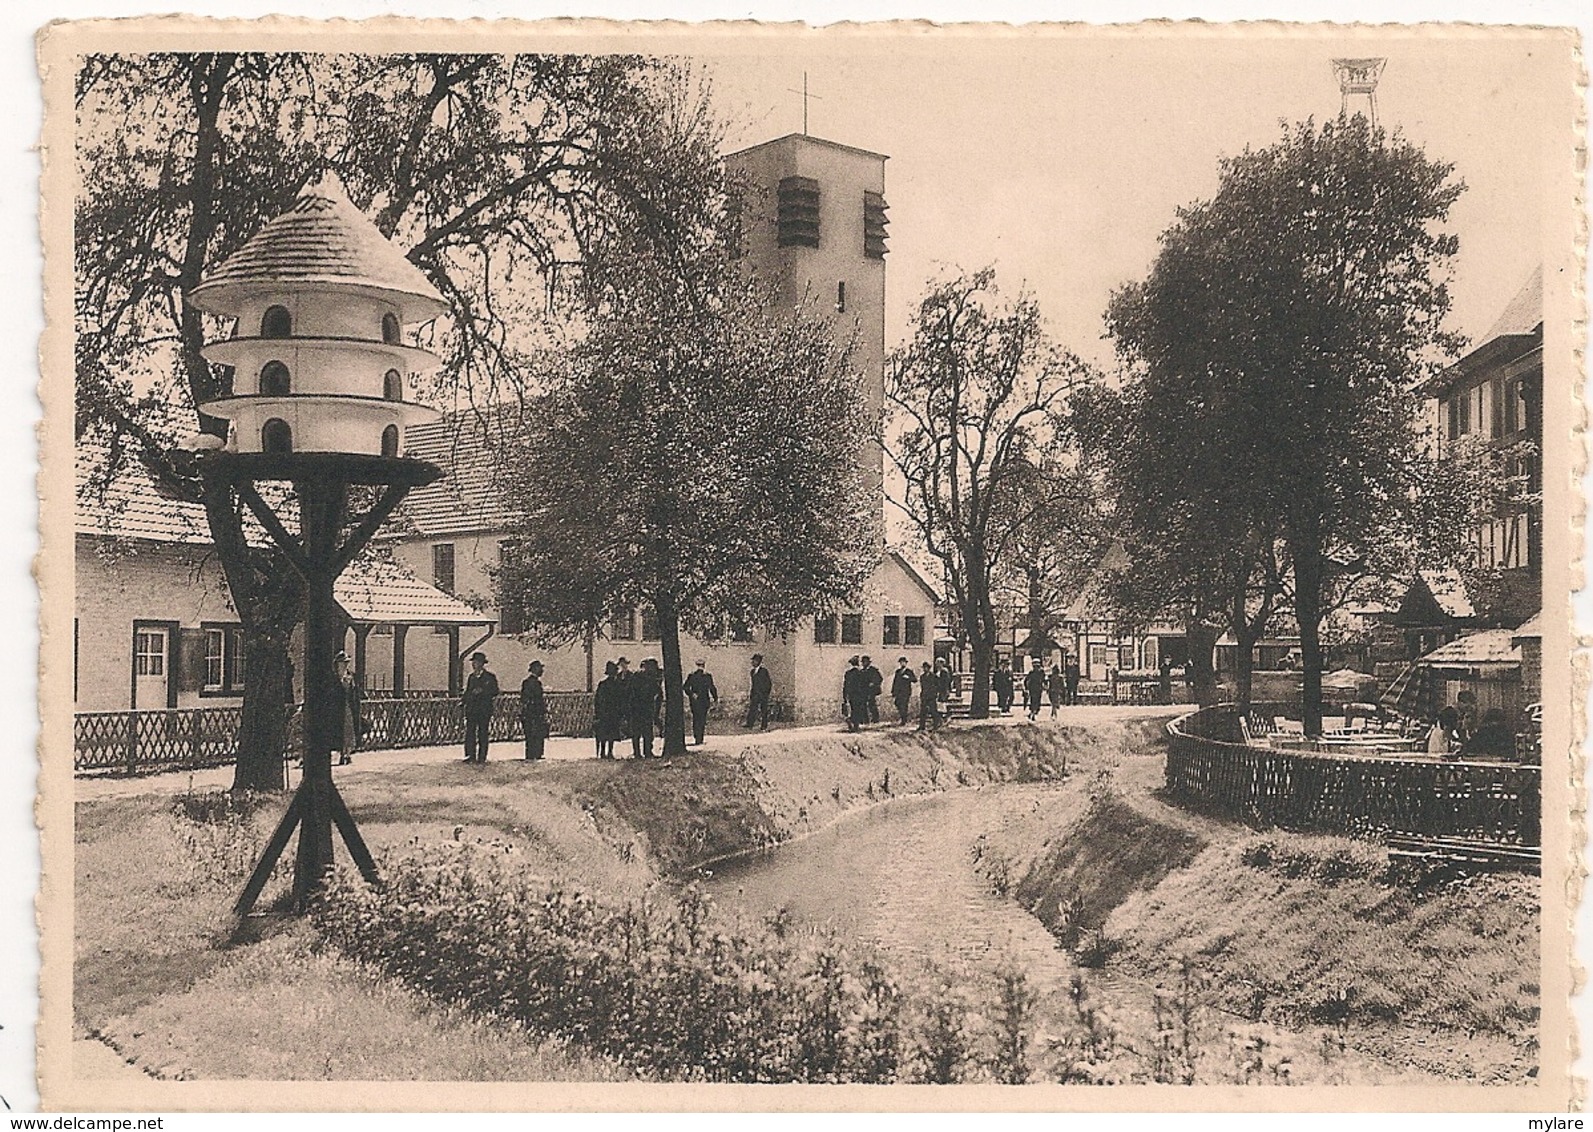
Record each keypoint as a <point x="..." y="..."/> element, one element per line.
<point x="275" y="381"/>
<point x="874" y="225"/>
<point x="824" y="629"/>
<point x="1514" y="411"/>
<point x="797" y="212"/>
<point x="649" y="624"/>
<point x="622" y="626"/>
<point x="149" y="652"/>
<point x="393" y="385"/>
<point x="442" y="566"/>
<point x="851" y="628"/>
<point x="390" y="440"/>
<point x="892" y="634"/>
<point x="390" y="333"/>
<point x="739" y="631"/>
<point x="912" y="630"/>
<point x="224" y="659"/>
<point x="276" y="436"/>
<point x="276" y="323"/>
<point x="840" y="298"/>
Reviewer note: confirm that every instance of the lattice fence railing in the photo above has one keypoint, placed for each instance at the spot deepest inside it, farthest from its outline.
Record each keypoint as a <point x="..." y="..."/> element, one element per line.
<point x="1482" y="801"/>
<point x="141" y="742"/>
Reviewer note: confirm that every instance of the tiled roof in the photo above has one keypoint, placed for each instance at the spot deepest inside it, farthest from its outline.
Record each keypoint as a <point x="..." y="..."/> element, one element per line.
<point x="1090" y="603"/>
<point x="473" y="493"/>
<point x="1491" y="646"/>
<point x="1449" y="591"/>
<point x="1525" y="312"/>
<point x="134" y="506"/>
<point x="917" y="578"/>
<point x="1531" y="630"/>
<point x="377" y="590"/>
<point x="374" y="589"/>
<point x="323" y="238"/>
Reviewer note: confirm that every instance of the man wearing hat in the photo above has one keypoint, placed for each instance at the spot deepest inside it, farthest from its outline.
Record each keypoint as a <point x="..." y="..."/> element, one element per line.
<point x="854" y="695"/>
<point x="759" y="692"/>
<point x="533" y="711"/>
<point x="700" y="694"/>
<point x="481" y="689"/>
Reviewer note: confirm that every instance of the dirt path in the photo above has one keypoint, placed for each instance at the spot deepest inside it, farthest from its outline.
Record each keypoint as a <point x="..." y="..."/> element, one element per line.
<point x="565" y="749"/>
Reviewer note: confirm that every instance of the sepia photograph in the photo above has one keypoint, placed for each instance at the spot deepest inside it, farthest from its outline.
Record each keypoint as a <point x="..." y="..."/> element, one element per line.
<point x="581" y="560"/>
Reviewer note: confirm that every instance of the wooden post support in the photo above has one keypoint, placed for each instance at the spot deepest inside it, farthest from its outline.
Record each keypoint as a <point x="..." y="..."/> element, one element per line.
<point x="321" y="481"/>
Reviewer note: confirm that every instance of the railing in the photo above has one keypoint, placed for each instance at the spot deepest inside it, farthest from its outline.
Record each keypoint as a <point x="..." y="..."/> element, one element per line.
<point x="139" y="742"/>
<point x="1209" y="764"/>
<point x="134" y="741"/>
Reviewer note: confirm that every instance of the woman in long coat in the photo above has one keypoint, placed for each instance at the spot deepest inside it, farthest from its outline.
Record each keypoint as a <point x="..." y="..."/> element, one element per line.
<point x="348" y="708"/>
<point x="608" y="711"/>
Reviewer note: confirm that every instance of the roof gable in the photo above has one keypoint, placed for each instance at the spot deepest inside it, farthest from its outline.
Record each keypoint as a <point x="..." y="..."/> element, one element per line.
<point x="322" y="239"/>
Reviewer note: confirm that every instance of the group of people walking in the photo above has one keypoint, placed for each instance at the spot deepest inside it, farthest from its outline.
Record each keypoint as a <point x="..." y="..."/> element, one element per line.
<point x="863" y="683"/>
<point x="1059" y="687"/>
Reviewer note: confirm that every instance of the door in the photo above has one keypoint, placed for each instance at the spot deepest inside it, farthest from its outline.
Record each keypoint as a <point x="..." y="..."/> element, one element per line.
<point x="151" y="672"/>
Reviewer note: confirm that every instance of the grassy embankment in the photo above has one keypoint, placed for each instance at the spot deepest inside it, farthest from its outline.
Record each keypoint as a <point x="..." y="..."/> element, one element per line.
<point x="1426" y="972"/>
<point x="159" y="977"/>
<point x="1193" y="919"/>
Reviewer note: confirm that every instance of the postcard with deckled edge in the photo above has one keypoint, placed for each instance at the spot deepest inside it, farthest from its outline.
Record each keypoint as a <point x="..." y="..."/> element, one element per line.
<point x="738" y="566"/>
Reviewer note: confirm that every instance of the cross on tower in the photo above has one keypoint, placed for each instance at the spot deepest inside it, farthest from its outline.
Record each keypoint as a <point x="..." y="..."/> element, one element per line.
<point x="805" y="96"/>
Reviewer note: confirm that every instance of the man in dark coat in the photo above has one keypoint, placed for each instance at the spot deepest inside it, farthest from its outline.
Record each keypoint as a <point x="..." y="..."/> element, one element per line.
<point x="1034" y="687"/>
<point x="645" y="695"/>
<point x="761" y="688"/>
<point x="873" y="684"/>
<point x="902" y="689"/>
<point x="481" y="690"/>
<point x="1001" y="681"/>
<point x="854" y="695"/>
<point x="928" y="699"/>
<point x="1071" y="673"/>
<point x="608" y="711"/>
<point x="533" y="711"/>
<point x="701" y="695"/>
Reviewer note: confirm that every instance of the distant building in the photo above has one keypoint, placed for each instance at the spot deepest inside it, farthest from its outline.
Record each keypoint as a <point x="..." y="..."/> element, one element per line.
<point x="813" y="225"/>
<point x="1495" y="395"/>
<point x="153" y="625"/>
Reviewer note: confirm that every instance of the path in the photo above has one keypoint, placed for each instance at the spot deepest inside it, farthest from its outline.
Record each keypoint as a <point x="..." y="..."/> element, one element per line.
<point x="563" y="749"/>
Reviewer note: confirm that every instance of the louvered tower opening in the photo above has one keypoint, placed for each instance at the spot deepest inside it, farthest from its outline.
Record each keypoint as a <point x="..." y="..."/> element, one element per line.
<point x="798" y="214"/>
<point x="875" y="223"/>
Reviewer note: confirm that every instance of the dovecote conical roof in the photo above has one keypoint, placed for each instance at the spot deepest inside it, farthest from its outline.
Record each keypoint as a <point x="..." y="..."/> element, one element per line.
<point x="323" y="241"/>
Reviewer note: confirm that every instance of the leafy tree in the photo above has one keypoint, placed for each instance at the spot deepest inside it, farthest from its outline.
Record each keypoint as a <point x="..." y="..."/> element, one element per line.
<point x="974" y="395"/>
<point x="1302" y="306"/>
<point x="1058" y="534"/>
<point x="495" y="171"/>
<point x="695" y="452"/>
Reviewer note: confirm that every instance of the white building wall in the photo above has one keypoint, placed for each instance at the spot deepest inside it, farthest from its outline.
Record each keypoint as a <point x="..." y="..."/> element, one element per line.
<point x="121" y="582"/>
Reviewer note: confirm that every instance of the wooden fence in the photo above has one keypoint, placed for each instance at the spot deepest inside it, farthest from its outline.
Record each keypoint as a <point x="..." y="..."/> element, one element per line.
<point x="140" y="742"/>
<point x="1209" y="765"/>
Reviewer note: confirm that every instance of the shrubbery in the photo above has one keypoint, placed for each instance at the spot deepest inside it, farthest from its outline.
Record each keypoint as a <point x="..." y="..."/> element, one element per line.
<point x="664" y="985"/>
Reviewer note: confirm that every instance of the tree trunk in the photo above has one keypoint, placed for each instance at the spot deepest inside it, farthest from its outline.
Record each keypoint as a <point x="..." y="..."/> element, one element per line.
<point x="1202" y="640"/>
<point x="1246" y="632"/>
<point x="674" y="708"/>
<point x="983" y="652"/>
<point x="979" y="624"/>
<point x="263" y="730"/>
<point x="1308" y="612"/>
<point x="1243" y="665"/>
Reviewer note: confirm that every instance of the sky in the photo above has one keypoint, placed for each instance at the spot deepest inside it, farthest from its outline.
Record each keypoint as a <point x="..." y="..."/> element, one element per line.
<point x="1061" y="160"/>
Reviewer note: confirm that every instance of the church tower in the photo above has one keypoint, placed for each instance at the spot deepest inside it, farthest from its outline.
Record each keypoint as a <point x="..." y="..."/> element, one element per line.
<point x="814" y="226"/>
